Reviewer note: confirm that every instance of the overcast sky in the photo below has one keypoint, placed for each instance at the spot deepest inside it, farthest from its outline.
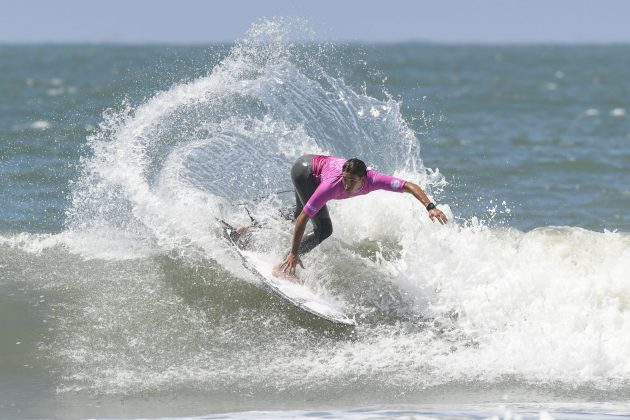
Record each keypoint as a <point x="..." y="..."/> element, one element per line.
<point x="197" y="21"/>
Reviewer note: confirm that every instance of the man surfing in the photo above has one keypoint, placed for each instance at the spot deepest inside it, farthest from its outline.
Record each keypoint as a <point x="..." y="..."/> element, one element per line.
<point x="318" y="179"/>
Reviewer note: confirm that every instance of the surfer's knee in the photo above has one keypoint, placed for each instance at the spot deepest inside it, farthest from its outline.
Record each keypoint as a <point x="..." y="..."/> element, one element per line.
<point x="325" y="229"/>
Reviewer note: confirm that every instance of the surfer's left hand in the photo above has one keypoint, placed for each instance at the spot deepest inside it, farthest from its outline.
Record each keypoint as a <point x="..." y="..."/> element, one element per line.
<point x="437" y="214"/>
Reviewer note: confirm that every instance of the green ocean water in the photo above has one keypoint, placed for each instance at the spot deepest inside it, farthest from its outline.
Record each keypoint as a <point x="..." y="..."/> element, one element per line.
<point x="538" y="127"/>
<point x="118" y="297"/>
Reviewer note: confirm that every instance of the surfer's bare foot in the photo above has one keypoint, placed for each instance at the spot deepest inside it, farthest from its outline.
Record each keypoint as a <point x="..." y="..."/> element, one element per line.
<point x="276" y="271"/>
<point x="242" y="230"/>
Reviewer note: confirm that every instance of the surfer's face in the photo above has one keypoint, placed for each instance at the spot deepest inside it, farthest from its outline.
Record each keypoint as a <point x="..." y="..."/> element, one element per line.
<point x="351" y="183"/>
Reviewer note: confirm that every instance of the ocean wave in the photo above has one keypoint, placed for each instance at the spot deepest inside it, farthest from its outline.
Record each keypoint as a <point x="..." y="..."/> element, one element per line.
<point x="143" y="294"/>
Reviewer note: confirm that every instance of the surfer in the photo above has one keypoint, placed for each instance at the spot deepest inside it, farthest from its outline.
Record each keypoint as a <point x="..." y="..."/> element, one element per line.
<point x="318" y="179"/>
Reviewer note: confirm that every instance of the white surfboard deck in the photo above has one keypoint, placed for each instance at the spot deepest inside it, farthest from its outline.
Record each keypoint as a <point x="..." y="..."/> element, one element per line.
<point x="297" y="294"/>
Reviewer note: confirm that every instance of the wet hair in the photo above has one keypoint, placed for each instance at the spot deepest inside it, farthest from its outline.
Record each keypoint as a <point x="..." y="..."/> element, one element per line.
<point x="355" y="166"/>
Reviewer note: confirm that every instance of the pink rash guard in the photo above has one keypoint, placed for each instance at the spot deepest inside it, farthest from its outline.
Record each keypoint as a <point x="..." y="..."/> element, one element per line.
<point x="327" y="172"/>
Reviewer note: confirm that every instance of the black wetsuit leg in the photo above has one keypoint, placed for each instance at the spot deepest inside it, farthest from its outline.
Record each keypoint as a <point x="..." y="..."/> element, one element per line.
<point x="305" y="185"/>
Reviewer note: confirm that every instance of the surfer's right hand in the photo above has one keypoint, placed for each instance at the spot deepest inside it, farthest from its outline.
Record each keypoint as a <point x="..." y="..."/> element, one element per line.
<point x="290" y="264"/>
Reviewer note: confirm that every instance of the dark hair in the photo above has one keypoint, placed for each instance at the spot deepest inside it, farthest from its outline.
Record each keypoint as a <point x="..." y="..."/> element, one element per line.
<point x="355" y="166"/>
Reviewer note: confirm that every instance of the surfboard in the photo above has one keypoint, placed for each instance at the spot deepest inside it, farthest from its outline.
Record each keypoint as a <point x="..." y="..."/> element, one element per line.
<point x="297" y="294"/>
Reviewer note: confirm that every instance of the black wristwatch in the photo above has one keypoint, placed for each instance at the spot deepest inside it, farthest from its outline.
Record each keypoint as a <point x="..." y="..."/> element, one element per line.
<point x="430" y="206"/>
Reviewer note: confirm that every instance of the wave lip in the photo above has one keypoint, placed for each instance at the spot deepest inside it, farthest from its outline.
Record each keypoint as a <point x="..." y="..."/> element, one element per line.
<point x="164" y="170"/>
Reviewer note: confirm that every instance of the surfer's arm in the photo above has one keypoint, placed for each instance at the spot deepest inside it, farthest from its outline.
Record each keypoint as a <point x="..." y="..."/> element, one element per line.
<point x="293" y="259"/>
<point x="417" y="192"/>
<point x="298" y="231"/>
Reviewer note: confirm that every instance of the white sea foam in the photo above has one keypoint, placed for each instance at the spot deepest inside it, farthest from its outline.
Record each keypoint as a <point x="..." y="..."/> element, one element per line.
<point x="618" y="112"/>
<point x="104" y="245"/>
<point x="58" y="91"/>
<point x="55" y="91"/>
<point x="29" y="242"/>
<point x="528" y="299"/>
<point x="40" y="125"/>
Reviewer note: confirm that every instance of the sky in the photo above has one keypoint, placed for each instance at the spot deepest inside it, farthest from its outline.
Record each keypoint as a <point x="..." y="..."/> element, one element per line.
<point x="202" y="22"/>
